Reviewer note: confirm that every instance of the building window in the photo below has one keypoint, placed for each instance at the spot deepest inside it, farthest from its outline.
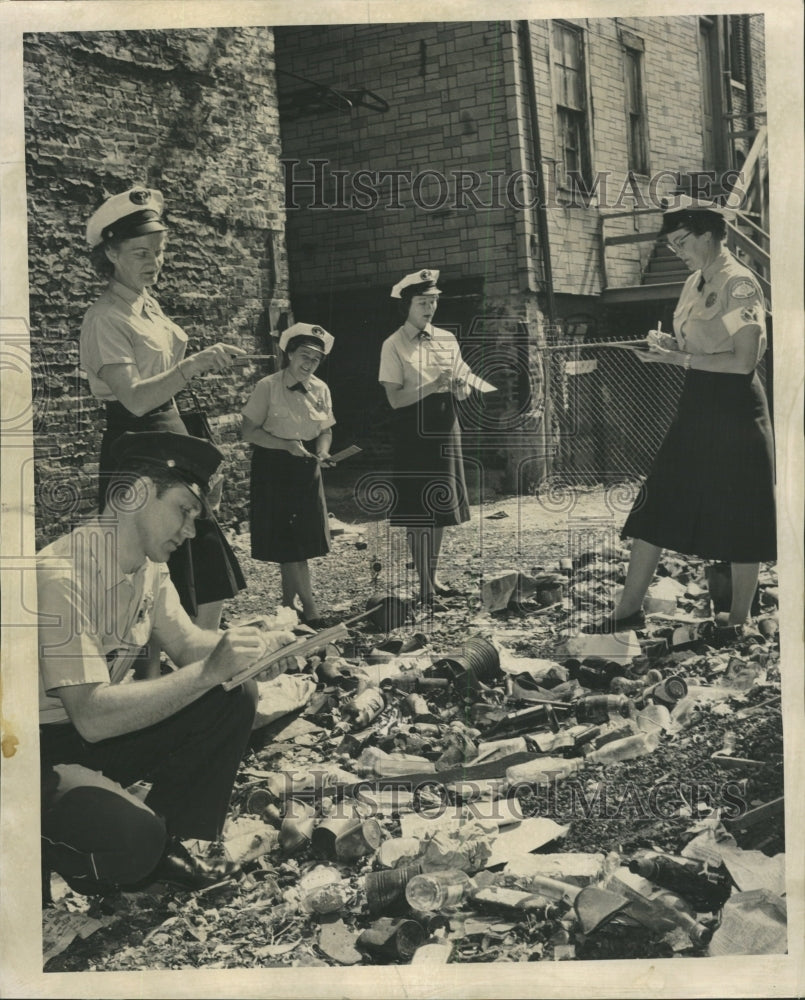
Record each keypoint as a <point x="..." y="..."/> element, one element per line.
<point x="570" y="89"/>
<point x="637" y="144"/>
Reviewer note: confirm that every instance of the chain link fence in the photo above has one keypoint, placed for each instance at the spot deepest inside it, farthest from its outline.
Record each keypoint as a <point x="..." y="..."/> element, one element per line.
<point x="609" y="412"/>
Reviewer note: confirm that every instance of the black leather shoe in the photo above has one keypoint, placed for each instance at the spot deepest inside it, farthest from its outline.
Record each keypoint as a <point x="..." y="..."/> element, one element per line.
<point x="178" y="867"/>
<point x="314" y="623"/>
<point x="719" y="636"/>
<point x="612" y="624"/>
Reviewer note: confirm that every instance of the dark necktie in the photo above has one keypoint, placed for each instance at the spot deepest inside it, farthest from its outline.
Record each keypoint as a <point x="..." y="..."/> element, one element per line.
<point x="700" y="284"/>
<point x="297" y="387"/>
<point x="423" y="335"/>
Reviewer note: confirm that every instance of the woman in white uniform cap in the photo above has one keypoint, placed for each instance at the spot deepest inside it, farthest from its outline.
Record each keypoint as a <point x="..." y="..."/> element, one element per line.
<point x="288" y="420"/>
<point x="134" y="357"/>
<point x="418" y="366"/>
<point x="710" y="491"/>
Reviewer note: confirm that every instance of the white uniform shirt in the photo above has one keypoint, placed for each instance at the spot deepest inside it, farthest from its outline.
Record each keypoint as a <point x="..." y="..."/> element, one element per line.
<point x="411" y="361"/>
<point x="288" y="414"/>
<point x="707" y="317"/>
<point x="124" y="327"/>
<point x="90" y="609"/>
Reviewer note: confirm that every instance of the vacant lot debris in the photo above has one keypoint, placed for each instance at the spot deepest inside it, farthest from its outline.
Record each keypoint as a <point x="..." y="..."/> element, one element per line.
<point x="490" y="783"/>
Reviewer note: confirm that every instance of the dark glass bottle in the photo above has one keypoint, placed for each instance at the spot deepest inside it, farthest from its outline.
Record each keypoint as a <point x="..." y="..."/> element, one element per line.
<point x="514" y="903"/>
<point x="667" y="692"/>
<point x="598" y="708"/>
<point x="704" y="887"/>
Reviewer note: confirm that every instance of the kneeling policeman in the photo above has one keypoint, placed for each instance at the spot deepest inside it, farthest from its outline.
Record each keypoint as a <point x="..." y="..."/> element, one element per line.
<point x="104" y="593"/>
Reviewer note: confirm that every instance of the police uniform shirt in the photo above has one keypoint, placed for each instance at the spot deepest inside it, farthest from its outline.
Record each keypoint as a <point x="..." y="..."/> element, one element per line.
<point x="291" y="415"/>
<point x="715" y="304"/>
<point x="413" y="361"/>
<point x="127" y="327"/>
<point x="93" y="618"/>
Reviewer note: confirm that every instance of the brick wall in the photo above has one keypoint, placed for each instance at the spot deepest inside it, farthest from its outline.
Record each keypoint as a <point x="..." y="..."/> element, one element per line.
<point x="453" y="93"/>
<point x="194" y="114"/>
<point x="448" y="112"/>
<point x="672" y="100"/>
<point x="457" y="101"/>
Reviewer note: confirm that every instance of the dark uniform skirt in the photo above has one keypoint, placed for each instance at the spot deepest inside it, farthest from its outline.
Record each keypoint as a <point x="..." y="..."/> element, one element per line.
<point x="288" y="509"/>
<point x="204" y="569"/>
<point x="710" y="491"/>
<point x="428" y="477"/>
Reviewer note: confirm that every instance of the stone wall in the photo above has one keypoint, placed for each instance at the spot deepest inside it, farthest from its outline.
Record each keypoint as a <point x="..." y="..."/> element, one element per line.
<point x="194" y="114"/>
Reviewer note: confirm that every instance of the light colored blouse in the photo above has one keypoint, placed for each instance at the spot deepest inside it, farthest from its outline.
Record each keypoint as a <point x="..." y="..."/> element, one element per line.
<point x="288" y="414"/>
<point x="127" y="327"/>
<point x="411" y="361"/>
<point x="94" y="617"/>
<point x="711" y="311"/>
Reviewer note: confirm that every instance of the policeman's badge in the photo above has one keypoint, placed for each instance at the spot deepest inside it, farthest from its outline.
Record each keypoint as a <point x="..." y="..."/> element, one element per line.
<point x="146" y="607"/>
<point x="743" y="288"/>
<point x="425" y="275"/>
<point x="139" y="196"/>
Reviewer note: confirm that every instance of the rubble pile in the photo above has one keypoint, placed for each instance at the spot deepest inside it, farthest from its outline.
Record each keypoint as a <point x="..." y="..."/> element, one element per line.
<point x="495" y="784"/>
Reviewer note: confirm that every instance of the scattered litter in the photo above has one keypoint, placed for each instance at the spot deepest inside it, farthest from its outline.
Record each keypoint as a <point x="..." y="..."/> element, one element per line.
<point x="752" y="923"/>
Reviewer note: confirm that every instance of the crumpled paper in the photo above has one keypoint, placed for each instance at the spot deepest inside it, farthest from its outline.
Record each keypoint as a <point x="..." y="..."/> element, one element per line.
<point x="467" y="848"/>
<point x="283" y="695"/>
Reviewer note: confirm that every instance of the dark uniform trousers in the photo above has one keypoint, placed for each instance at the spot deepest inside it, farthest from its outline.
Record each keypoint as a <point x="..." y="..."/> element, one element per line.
<point x="95" y="834"/>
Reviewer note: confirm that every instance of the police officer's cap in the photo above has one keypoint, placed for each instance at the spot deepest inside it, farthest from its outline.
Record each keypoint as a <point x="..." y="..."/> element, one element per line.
<point x="192" y="460"/>
<point x="135" y="212"/>
<point x="310" y="330"/>
<point x="422" y="282"/>
<point x="684" y="203"/>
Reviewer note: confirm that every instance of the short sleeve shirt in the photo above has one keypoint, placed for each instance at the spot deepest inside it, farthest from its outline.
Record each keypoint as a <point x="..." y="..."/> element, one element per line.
<point x="288" y="414"/>
<point x="412" y="361"/>
<point x="715" y="304"/>
<point x="93" y="618"/>
<point x="124" y="327"/>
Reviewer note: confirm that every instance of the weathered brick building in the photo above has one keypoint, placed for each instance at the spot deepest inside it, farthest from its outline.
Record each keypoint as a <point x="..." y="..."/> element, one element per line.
<point x="523" y="159"/>
<point x="509" y="155"/>
<point x="193" y="113"/>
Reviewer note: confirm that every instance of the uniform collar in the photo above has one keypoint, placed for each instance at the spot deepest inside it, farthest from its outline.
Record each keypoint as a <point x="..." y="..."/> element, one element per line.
<point x="112" y="573"/>
<point x="288" y="380"/>
<point x="128" y="294"/>
<point x="412" y="333"/>
<point x="707" y="273"/>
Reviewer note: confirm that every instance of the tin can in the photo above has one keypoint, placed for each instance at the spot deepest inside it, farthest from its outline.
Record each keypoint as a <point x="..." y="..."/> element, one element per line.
<point x="360" y="838"/>
<point x="394" y="939"/>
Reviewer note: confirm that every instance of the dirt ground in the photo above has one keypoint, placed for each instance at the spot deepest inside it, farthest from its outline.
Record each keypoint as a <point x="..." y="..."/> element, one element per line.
<point x="255" y="920"/>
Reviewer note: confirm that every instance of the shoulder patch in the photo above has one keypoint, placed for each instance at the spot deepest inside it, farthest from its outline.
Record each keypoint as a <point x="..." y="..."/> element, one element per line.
<point x="743" y="288"/>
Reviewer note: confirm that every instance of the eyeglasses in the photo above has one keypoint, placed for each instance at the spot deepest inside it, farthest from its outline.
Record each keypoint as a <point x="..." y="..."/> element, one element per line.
<point x="676" y="246"/>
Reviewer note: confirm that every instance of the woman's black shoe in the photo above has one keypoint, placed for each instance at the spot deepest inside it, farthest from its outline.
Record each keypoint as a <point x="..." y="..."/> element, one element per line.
<point x="315" y="623"/>
<point x="611" y="624"/>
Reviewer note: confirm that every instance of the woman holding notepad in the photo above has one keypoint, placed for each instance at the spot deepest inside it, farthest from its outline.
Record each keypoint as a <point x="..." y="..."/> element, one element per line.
<point x="288" y="420"/>
<point x="423" y="374"/>
<point x="710" y="491"/>
<point x="135" y="360"/>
